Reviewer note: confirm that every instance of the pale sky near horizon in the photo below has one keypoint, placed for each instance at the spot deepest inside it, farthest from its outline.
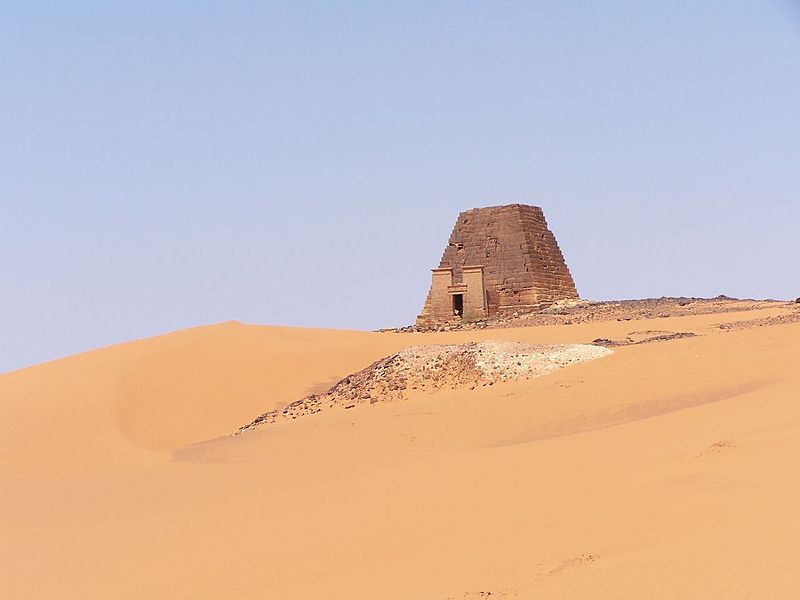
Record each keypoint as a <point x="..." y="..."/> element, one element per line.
<point x="166" y="165"/>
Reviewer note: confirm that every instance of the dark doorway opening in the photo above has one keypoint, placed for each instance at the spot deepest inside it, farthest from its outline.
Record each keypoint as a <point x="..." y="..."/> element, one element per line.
<point x="458" y="305"/>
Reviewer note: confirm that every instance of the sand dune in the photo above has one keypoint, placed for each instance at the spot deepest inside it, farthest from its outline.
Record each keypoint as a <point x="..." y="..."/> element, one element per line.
<point x="662" y="471"/>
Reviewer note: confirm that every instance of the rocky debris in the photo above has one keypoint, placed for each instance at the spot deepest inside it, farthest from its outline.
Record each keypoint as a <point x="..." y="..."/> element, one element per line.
<point x="791" y="317"/>
<point x="717" y="448"/>
<point x="499" y="594"/>
<point x="427" y="369"/>
<point x="570" y="312"/>
<point x="643" y="337"/>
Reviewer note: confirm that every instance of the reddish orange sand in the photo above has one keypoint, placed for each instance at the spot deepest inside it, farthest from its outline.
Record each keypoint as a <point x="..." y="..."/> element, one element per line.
<point x="667" y="470"/>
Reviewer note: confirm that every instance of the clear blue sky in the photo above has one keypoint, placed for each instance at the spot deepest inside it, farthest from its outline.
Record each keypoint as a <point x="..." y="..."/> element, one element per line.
<point x="174" y="164"/>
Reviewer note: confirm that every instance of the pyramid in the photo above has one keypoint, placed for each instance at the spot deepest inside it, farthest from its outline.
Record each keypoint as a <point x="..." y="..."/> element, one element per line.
<point x="499" y="260"/>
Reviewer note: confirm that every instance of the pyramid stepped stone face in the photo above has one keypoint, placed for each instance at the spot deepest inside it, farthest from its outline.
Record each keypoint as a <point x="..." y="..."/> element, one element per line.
<point x="499" y="260"/>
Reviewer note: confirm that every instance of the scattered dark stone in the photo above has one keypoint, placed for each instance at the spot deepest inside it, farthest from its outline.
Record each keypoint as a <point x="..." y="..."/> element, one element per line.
<point x="607" y="310"/>
<point x="628" y="341"/>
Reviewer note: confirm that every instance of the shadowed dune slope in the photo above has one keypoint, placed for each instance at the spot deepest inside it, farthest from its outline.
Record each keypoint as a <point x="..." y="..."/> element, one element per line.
<point x="201" y="383"/>
<point x="114" y="404"/>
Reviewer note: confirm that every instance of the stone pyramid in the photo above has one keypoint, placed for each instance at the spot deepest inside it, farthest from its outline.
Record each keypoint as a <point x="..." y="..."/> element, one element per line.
<point x="499" y="260"/>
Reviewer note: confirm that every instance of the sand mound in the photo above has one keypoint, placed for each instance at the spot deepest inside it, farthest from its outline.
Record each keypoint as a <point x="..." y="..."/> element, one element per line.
<point x="430" y="368"/>
<point x="659" y="472"/>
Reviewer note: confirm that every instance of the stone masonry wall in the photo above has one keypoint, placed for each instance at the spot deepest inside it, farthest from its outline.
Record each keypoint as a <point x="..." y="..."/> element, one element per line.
<point x="524" y="269"/>
<point x="439" y="302"/>
<point x="475" y="296"/>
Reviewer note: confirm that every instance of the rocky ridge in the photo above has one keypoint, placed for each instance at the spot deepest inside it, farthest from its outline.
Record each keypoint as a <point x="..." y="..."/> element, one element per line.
<point x="572" y="312"/>
<point x="427" y="369"/>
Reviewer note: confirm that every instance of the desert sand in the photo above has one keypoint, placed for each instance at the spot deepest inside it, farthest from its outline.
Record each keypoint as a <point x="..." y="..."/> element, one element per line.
<point x="664" y="470"/>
